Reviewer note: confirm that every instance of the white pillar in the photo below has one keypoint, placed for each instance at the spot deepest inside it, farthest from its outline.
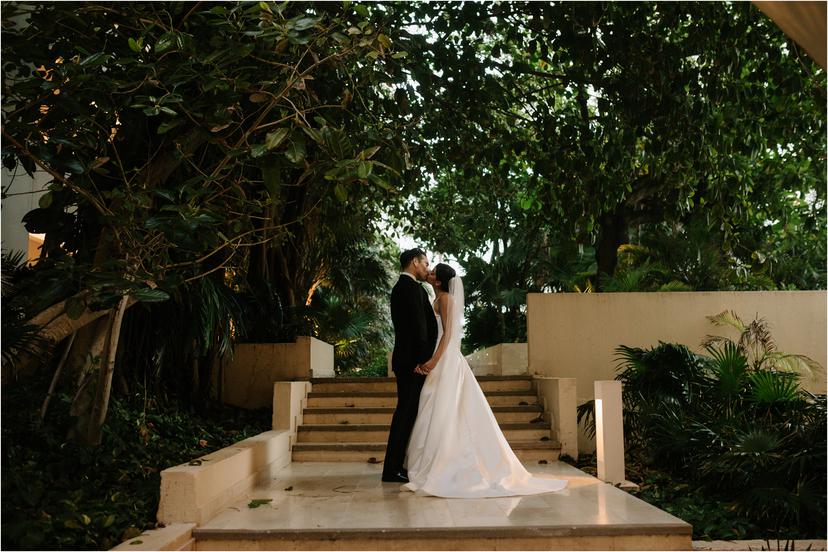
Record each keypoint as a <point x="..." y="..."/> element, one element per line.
<point x="561" y="409"/>
<point x="289" y="400"/>
<point x="609" y="431"/>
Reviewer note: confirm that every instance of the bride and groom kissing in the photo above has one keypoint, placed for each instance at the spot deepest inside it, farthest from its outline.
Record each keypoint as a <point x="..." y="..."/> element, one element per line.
<point x="443" y="429"/>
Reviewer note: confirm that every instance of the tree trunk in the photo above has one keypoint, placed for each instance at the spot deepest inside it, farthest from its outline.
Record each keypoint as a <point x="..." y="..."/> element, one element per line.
<point x="56" y="329"/>
<point x="76" y="366"/>
<point x="101" y="403"/>
<point x="56" y="377"/>
<point x="91" y="349"/>
<point x="612" y="234"/>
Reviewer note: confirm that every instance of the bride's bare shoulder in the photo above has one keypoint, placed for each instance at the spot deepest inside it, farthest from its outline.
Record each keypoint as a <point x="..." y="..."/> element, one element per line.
<point x="442" y="302"/>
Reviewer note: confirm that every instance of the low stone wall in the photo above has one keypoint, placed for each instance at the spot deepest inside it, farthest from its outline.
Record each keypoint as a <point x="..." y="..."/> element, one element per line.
<point x="504" y="359"/>
<point x="247" y="380"/>
<point x="176" y="536"/>
<point x="559" y="402"/>
<point x="196" y="491"/>
<point x="574" y="335"/>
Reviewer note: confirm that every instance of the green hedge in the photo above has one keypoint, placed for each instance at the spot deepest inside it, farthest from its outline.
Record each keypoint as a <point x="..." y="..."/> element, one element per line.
<point x="59" y="495"/>
<point x="728" y="442"/>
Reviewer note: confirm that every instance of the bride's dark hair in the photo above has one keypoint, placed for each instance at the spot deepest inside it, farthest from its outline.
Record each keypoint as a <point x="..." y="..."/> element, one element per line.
<point x="444" y="273"/>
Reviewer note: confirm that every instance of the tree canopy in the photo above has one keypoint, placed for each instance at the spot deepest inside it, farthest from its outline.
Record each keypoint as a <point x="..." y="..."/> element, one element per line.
<point x="232" y="167"/>
<point x="556" y="133"/>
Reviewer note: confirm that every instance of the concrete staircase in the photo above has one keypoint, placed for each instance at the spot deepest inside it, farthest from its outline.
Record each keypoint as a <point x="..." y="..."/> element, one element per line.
<point x="348" y="419"/>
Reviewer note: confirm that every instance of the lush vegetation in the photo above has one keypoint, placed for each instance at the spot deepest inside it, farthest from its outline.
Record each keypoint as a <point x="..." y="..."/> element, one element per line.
<point x="727" y="441"/>
<point x="216" y="165"/>
<point x="229" y="172"/>
<point x="61" y="495"/>
<point x="615" y="147"/>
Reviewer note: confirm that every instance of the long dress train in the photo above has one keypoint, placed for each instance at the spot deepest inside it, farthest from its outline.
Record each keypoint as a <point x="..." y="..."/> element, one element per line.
<point x="457" y="449"/>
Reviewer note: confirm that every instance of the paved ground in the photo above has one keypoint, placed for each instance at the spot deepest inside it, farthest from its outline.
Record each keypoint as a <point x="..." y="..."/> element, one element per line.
<point x="349" y="495"/>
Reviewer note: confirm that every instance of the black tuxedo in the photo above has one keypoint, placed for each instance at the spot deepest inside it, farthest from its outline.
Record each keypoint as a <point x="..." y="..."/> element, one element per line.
<point x="415" y="336"/>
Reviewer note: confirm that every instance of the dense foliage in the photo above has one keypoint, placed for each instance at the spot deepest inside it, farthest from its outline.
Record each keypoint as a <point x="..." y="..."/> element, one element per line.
<point x="222" y="165"/>
<point x="62" y="496"/>
<point x="226" y="172"/>
<point x="734" y="426"/>
<point x="554" y="135"/>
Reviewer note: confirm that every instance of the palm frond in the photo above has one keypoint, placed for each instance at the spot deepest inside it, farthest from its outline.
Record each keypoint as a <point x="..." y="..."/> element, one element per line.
<point x="728" y="318"/>
<point x="586" y="415"/>
<point x="675" y="285"/>
<point x="729" y="367"/>
<point x="757" y="339"/>
<point x="11" y="263"/>
<point x="769" y="387"/>
<point x="799" y="364"/>
<point x="629" y="358"/>
<point x="757" y="441"/>
<point x="19" y="338"/>
<point x="714" y="340"/>
<point x="587" y="287"/>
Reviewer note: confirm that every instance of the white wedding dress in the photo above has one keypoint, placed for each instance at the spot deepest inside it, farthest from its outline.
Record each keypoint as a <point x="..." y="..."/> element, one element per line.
<point x="457" y="449"/>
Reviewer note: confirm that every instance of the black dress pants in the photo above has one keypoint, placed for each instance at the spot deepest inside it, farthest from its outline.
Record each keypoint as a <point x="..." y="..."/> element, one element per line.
<point x="409" y="386"/>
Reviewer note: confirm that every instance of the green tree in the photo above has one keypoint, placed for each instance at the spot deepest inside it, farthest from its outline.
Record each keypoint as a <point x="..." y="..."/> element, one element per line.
<point x="197" y="151"/>
<point x="612" y="116"/>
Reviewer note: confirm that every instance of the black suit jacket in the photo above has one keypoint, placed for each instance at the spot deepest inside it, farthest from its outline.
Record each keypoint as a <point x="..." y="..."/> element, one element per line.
<point x="415" y="326"/>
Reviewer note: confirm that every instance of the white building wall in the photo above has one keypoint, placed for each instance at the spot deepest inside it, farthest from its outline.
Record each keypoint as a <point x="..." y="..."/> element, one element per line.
<point x="20" y="195"/>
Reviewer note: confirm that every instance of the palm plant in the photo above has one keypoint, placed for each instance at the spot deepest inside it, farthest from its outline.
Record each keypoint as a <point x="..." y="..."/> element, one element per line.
<point x="757" y="345"/>
<point x="649" y="276"/>
<point x="731" y="424"/>
<point x="173" y="347"/>
<point x="660" y="383"/>
<point x="347" y="307"/>
<point x="18" y="337"/>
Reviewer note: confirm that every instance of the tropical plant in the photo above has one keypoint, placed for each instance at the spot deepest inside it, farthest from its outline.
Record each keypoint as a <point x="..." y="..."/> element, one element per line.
<point x="201" y="168"/>
<point x="18" y="336"/>
<point x="743" y="432"/>
<point x="65" y="496"/>
<point x="757" y="345"/>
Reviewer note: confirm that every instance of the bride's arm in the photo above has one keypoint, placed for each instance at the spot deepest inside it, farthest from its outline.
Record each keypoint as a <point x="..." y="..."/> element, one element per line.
<point x="445" y="316"/>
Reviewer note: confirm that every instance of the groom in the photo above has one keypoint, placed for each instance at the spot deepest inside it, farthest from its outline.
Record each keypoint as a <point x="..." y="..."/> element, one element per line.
<point x="415" y="335"/>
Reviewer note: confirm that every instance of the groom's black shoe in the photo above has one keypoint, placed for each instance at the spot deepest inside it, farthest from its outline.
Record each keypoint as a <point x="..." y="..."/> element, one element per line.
<point x="396" y="477"/>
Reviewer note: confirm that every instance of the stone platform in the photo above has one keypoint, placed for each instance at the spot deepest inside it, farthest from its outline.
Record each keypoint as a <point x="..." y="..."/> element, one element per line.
<point x="345" y="506"/>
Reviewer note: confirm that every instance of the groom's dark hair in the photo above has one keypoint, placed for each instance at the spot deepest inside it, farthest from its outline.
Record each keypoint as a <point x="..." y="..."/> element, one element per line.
<point x="410" y="255"/>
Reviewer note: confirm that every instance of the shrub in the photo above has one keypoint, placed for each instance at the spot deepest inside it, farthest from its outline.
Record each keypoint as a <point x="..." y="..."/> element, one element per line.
<point x="741" y="431"/>
<point x="60" y="495"/>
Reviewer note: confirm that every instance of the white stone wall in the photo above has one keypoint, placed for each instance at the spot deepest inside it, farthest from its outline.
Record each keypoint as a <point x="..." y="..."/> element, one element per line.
<point x="22" y="193"/>
<point x="574" y="335"/>
<point x="504" y="359"/>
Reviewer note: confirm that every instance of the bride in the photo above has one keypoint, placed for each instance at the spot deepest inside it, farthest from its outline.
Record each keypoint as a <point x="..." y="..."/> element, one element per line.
<point x="456" y="448"/>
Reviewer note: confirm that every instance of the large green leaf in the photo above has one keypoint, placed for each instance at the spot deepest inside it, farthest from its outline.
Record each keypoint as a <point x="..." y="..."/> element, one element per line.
<point x="275" y="137"/>
<point x="295" y="152"/>
<point x="149" y="295"/>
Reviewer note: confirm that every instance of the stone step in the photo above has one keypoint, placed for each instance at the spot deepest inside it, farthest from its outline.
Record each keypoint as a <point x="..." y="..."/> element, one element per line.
<point x="388" y="385"/>
<point x="367" y="399"/>
<point x="346" y="506"/>
<point x="378" y="433"/>
<point x="375" y="452"/>
<point x="619" y="536"/>
<point x="382" y="415"/>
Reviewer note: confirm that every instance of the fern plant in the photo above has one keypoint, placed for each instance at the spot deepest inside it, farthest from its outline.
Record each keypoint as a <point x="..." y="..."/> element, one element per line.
<point x="18" y="337"/>
<point x="757" y="345"/>
<point x="731" y="423"/>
